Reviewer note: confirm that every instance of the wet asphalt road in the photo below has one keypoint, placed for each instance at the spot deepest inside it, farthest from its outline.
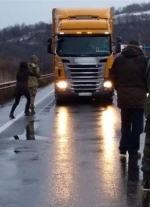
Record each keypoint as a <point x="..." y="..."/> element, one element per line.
<point x="67" y="156"/>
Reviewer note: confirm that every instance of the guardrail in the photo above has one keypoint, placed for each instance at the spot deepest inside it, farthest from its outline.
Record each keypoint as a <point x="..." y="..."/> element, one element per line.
<point x="11" y="84"/>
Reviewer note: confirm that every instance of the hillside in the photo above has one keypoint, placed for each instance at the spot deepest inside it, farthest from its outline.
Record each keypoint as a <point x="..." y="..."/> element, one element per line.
<point x="133" y="22"/>
<point x="19" y="43"/>
<point x="133" y="26"/>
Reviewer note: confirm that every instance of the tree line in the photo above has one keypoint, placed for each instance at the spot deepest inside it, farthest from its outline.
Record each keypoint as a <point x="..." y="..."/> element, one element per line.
<point x="133" y="8"/>
<point x="18" y="43"/>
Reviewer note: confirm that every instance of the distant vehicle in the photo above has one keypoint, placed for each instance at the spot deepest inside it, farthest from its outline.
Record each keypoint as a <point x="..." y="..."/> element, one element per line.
<point x="82" y="45"/>
<point x="125" y="45"/>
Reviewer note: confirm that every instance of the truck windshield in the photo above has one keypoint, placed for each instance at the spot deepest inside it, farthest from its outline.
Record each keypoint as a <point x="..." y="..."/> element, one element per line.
<point x="83" y="45"/>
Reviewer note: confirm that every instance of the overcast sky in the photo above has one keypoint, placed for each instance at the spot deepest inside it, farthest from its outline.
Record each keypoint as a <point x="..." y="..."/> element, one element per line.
<point x="33" y="11"/>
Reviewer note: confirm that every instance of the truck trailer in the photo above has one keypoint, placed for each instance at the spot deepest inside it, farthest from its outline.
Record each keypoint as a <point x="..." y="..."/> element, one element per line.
<point x="83" y="52"/>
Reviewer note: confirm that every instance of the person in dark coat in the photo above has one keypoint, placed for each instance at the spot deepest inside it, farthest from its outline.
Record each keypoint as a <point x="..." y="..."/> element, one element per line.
<point x="146" y="151"/>
<point x="127" y="74"/>
<point x="22" y="88"/>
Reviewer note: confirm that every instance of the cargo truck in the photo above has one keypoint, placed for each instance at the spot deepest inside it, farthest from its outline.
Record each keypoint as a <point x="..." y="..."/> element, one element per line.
<point x="83" y="52"/>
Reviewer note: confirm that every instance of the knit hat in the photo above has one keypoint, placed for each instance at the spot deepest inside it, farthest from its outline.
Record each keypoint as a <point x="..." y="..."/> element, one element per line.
<point x="34" y="59"/>
<point x="23" y="65"/>
<point x="134" y="42"/>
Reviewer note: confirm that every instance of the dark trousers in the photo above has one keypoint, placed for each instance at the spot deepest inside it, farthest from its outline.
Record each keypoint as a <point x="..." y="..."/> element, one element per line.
<point x="132" y="121"/>
<point x="146" y="153"/>
<point x="17" y="101"/>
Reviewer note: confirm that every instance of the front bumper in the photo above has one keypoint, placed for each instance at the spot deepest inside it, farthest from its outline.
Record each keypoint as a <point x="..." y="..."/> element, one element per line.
<point x="103" y="93"/>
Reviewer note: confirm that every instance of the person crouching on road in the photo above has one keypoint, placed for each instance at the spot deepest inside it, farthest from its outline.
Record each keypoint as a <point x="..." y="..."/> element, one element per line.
<point x="128" y="76"/>
<point x="22" y="88"/>
<point x="33" y="81"/>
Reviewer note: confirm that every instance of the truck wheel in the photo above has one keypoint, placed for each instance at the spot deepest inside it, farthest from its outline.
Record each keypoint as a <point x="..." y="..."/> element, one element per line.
<point x="109" y="100"/>
<point x="59" y="100"/>
<point x="104" y="100"/>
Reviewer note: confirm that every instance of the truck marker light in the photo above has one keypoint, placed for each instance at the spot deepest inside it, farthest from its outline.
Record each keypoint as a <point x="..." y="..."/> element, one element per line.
<point x="89" y="32"/>
<point x="59" y="64"/>
<point x="107" y="84"/>
<point x="62" y="84"/>
<point x="79" y="32"/>
<point x="61" y="33"/>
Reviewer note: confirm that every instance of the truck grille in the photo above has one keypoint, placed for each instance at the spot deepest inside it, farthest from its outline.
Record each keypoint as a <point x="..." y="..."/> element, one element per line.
<point x="85" y="78"/>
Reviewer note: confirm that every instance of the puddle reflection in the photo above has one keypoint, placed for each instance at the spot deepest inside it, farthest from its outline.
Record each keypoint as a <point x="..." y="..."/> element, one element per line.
<point x="63" y="168"/>
<point x="30" y="133"/>
<point x="62" y="121"/>
<point x="130" y="179"/>
<point x="108" y="130"/>
<point x="107" y="134"/>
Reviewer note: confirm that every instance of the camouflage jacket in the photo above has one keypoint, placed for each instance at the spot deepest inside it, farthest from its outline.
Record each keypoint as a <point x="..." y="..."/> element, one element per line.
<point x="33" y="81"/>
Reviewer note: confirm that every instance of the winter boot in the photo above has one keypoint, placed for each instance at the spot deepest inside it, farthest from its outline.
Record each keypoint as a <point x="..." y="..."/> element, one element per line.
<point x="11" y="116"/>
<point x="32" y="111"/>
<point x="27" y="113"/>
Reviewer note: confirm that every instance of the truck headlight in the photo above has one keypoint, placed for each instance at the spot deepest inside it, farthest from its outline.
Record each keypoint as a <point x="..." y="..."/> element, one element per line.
<point x="108" y="84"/>
<point x="62" y="84"/>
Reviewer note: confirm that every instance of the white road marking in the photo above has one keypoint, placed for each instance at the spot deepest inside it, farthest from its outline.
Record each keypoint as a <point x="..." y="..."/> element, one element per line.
<point x="46" y="106"/>
<point x="10" y="122"/>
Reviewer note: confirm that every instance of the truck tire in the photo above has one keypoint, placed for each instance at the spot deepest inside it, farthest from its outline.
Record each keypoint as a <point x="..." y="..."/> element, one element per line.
<point x="109" y="100"/>
<point x="104" y="100"/>
<point x="58" y="100"/>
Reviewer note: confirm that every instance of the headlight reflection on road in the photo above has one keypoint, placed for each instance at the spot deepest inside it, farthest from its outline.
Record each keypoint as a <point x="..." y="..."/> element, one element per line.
<point x="62" y="121"/>
<point x="108" y="128"/>
<point x="108" y="121"/>
<point x="63" y="168"/>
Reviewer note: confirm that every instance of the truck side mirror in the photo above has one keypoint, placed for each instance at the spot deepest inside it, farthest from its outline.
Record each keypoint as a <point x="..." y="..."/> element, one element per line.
<point x="49" y="46"/>
<point x="60" y="40"/>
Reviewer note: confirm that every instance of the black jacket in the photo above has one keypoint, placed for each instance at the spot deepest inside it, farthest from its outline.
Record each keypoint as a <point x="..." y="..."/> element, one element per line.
<point x="127" y="73"/>
<point x="22" y="81"/>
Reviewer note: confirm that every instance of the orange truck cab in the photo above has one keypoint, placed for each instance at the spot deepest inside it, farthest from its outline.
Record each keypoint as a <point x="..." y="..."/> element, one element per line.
<point x="82" y="48"/>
